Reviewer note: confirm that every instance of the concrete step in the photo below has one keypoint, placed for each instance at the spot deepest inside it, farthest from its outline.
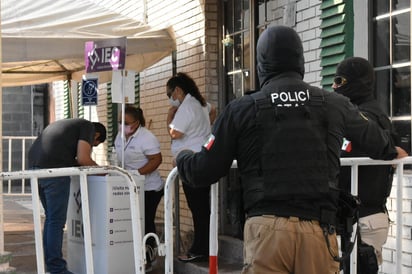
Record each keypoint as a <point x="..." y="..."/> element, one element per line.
<point x="230" y="260"/>
<point x="224" y="267"/>
<point x="231" y="249"/>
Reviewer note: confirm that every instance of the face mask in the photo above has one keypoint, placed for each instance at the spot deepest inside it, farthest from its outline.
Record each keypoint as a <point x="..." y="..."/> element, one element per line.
<point x="175" y="103"/>
<point x="127" y="129"/>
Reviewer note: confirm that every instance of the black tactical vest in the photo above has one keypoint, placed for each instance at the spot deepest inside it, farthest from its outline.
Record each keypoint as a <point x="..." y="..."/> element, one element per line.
<point x="292" y="127"/>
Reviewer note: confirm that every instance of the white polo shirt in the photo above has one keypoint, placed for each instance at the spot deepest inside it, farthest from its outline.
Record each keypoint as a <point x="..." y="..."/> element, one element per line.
<point x="140" y="144"/>
<point x="191" y="119"/>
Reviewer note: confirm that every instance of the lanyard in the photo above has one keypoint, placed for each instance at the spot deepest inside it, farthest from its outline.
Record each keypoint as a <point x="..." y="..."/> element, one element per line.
<point x="128" y="142"/>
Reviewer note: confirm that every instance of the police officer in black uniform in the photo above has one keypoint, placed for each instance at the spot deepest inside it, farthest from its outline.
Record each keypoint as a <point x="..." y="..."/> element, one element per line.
<point x="286" y="139"/>
<point x="355" y="79"/>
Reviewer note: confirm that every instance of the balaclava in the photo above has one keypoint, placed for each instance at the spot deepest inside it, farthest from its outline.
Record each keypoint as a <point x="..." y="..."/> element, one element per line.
<point x="360" y="79"/>
<point x="279" y="49"/>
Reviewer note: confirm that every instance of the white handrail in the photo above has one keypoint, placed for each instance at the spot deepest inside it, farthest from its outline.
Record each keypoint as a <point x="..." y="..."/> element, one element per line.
<point x="168" y="224"/>
<point x="37" y="224"/>
<point x="399" y="220"/>
<point x="353" y="162"/>
<point x="86" y="223"/>
<point x="82" y="172"/>
<point x="168" y="207"/>
<point x="213" y="232"/>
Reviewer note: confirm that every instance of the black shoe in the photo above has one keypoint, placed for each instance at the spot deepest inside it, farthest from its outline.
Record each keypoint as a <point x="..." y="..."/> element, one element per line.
<point x="190" y="257"/>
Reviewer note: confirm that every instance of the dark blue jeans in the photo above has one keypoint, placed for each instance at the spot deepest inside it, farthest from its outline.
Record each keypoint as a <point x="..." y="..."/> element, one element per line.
<point x="151" y="201"/>
<point x="198" y="200"/>
<point x="54" y="195"/>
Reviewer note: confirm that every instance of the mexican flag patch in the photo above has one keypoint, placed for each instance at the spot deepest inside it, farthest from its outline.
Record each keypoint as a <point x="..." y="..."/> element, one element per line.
<point x="347" y="145"/>
<point x="209" y="142"/>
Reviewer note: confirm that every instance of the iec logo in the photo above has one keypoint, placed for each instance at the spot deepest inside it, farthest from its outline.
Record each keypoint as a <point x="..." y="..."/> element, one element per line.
<point x="78" y="200"/>
<point x="77" y="225"/>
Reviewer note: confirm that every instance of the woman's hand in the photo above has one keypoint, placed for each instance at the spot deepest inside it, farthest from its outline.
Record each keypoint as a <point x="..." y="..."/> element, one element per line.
<point x="171" y="114"/>
<point x="172" y="132"/>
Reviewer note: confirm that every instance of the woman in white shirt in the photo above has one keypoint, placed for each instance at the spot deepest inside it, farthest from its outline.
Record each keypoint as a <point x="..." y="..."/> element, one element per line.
<point x="142" y="153"/>
<point x="189" y="127"/>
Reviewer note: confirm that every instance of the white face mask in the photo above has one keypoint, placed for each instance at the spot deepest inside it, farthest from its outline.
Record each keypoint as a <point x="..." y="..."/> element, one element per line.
<point x="175" y="103"/>
<point x="127" y="129"/>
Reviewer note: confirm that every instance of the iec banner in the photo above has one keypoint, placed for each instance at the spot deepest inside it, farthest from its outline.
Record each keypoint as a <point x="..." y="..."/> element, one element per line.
<point x="104" y="55"/>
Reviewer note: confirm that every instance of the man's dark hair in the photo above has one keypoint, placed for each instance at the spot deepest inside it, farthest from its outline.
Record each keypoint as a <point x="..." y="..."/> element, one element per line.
<point x="99" y="127"/>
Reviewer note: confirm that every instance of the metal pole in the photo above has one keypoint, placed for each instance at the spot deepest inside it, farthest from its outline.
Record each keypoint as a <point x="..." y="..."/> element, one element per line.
<point x="9" y="165"/>
<point x="213" y="238"/>
<point x="354" y="191"/>
<point x="86" y="223"/>
<point x="23" y="153"/>
<point x="136" y="227"/>
<point x="168" y="206"/>
<point x="123" y="137"/>
<point x="399" y="213"/>
<point x="177" y="213"/>
<point x="37" y="224"/>
<point x="3" y="255"/>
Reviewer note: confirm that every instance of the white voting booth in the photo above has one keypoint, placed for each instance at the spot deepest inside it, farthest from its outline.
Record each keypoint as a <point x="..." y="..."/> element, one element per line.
<point x="111" y="226"/>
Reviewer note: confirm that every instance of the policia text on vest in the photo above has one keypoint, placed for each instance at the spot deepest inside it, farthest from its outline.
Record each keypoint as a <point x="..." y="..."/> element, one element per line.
<point x="289" y="98"/>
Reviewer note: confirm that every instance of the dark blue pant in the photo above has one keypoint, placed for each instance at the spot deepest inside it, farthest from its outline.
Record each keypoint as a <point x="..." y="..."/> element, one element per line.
<point x="54" y="195"/>
<point x="151" y="200"/>
<point x="198" y="200"/>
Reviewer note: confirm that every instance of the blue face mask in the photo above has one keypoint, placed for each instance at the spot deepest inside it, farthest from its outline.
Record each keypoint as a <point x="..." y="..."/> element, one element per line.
<point x="174" y="102"/>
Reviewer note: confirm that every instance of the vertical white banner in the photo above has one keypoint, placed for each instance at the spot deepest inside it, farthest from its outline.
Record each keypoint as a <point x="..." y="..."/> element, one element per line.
<point x="123" y="86"/>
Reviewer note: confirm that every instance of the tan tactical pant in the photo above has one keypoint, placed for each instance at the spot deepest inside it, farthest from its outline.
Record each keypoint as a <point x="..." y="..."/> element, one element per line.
<point x="287" y="245"/>
<point x="374" y="231"/>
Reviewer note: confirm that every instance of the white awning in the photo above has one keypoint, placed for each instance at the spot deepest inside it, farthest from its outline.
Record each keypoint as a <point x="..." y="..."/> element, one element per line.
<point x="43" y="40"/>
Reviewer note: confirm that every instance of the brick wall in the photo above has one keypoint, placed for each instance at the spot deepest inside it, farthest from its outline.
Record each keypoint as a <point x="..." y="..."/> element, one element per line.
<point x="307" y="25"/>
<point x="389" y="251"/>
<point x="195" y="27"/>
